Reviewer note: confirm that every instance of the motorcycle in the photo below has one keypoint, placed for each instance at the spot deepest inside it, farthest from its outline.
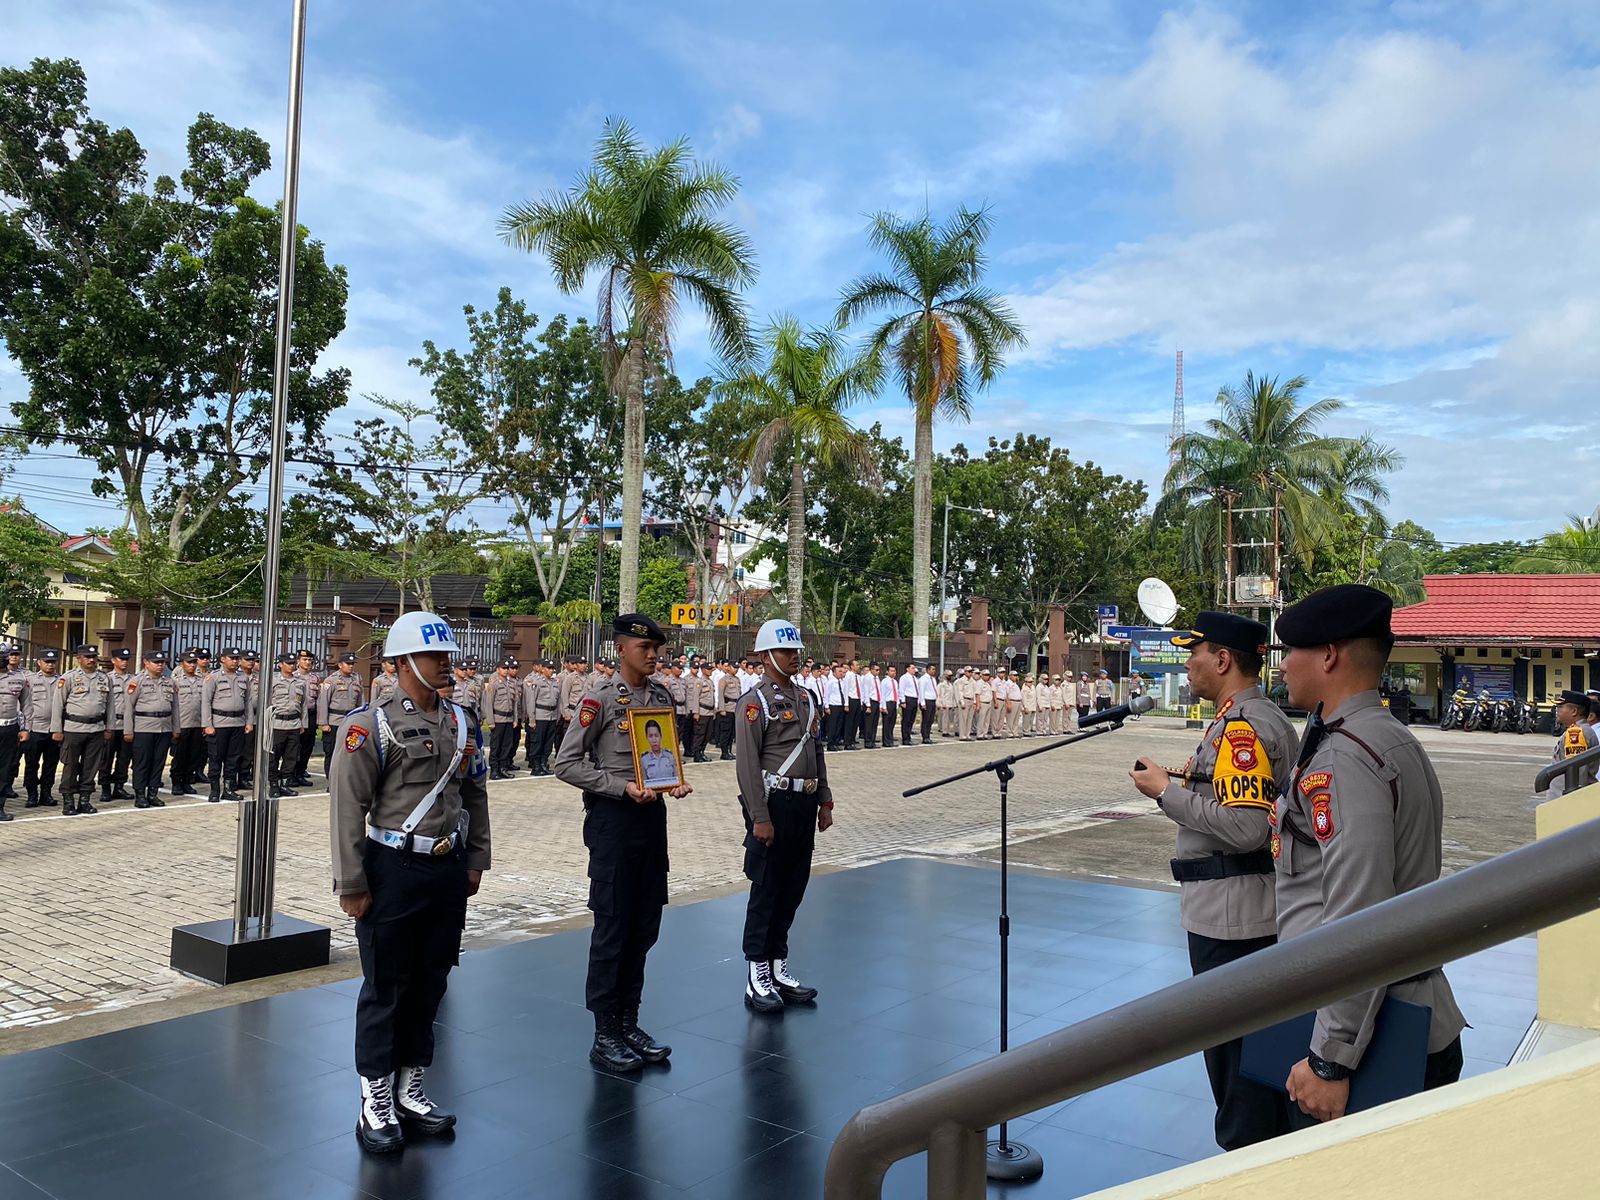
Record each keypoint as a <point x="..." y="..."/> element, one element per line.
<point x="1527" y="717"/>
<point x="1506" y="713"/>
<point x="1481" y="714"/>
<point x="1456" y="710"/>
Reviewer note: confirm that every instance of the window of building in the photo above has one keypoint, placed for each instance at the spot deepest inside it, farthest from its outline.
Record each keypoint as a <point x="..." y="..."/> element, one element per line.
<point x="1483" y="652"/>
<point x="739" y="537"/>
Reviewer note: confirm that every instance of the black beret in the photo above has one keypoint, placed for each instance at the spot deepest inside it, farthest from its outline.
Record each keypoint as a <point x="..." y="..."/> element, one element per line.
<point x="155" y="656"/>
<point x="122" y="654"/>
<point x="227" y="652"/>
<point x="191" y="657"/>
<point x="252" y="656"/>
<point x="1578" y="698"/>
<point x="1337" y="614"/>
<point x="1224" y="629"/>
<point x="87" y="649"/>
<point x="637" y="625"/>
<point x="347" y="657"/>
<point x="50" y="656"/>
<point x="285" y="657"/>
<point x="203" y="651"/>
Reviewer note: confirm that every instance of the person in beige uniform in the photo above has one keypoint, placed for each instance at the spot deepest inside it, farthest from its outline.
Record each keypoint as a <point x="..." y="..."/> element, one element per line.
<point x="983" y="703"/>
<point x="118" y="758"/>
<point x="15" y="697"/>
<point x="625" y="830"/>
<point x="1573" y="737"/>
<point x="307" y="672"/>
<point x="189" y="742"/>
<point x="501" y="714"/>
<point x="947" y="704"/>
<point x="1085" y="694"/>
<point x="340" y="695"/>
<point x="702" y="711"/>
<point x="228" y="713"/>
<point x="384" y="684"/>
<point x="572" y="687"/>
<point x="286" y="714"/>
<point x="409" y="819"/>
<point x="1360" y="822"/>
<point x="149" y="720"/>
<point x="41" y="753"/>
<point x="785" y="799"/>
<point x="81" y="719"/>
<point x="1221" y="802"/>
<point x="1030" y="706"/>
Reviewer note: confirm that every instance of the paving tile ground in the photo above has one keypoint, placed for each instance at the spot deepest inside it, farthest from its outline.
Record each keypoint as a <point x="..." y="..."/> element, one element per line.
<point x="87" y="904"/>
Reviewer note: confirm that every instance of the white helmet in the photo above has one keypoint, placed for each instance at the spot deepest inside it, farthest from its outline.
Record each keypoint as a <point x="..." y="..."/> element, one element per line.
<point x="419" y="633"/>
<point x="778" y="634"/>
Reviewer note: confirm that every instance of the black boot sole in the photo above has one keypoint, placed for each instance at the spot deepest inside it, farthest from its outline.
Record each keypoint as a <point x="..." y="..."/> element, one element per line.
<point x="800" y="996"/>
<point x="659" y="1055"/>
<point x="615" y="1068"/>
<point x="765" y="1009"/>
<point x="378" y="1147"/>
<point x="427" y="1127"/>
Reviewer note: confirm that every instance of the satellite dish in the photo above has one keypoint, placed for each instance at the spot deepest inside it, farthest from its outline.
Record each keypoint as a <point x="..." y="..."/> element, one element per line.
<point x="1157" y="602"/>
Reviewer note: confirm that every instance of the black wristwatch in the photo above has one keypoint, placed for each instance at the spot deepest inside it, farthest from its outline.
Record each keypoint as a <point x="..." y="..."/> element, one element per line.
<point x="1323" y="1069"/>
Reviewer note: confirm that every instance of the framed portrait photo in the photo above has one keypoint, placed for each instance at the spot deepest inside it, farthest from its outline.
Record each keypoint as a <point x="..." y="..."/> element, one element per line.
<point x="657" y="757"/>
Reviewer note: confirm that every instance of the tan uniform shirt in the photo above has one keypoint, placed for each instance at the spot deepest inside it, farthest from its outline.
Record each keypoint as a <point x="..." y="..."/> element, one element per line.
<point x="41" y="691"/>
<point x="288" y="702"/>
<point x="572" y="687"/>
<point x="82" y="702"/>
<point x="678" y="688"/>
<point x="152" y="705"/>
<point x="469" y="694"/>
<point x="1256" y="747"/>
<point x="384" y="687"/>
<point x="189" y="689"/>
<point x="704" y="702"/>
<point x="729" y="689"/>
<point x="1030" y="698"/>
<point x="119" y="694"/>
<point x="16" y="698"/>
<point x="596" y="754"/>
<point x="541" y="698"/>
<point x="764" y="739"/>
<point x="1571" y="742"/>
<point x="226" y="700"/>
<point x="364" y="788"/>
<point x="339" y="696"/>
<point x="1360" y="823"/>
<point x="502" y="701"/>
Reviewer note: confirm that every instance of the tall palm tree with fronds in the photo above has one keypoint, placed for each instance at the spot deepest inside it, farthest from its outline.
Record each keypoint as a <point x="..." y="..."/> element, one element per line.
<point x="802" y="387"/>
<point x="1265" y="449"/>
<point x="1574" y="550"/>
<point x="645" y="222"/>
<point x="948" y="336"/>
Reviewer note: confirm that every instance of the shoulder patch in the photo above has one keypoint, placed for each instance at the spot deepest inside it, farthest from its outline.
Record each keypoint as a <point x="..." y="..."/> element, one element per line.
<point x="355" y="738"/>
<point x="752" y="713"/>
<point x="1243" y="746"/>
<point x="587" y="712"/>
<point x="1322" y="818"/>
<point x="1315" y="781"/>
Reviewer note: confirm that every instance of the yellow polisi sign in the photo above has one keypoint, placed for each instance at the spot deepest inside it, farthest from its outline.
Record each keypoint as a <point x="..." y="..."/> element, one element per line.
<point x="705" y="614"/>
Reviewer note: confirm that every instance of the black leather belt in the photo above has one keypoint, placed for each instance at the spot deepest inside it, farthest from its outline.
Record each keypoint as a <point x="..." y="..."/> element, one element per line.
<point x="85" y="720"/>
<point x="137" y="713"/>
<point x="227" y="712"/>
<point x="1222" y="866"/>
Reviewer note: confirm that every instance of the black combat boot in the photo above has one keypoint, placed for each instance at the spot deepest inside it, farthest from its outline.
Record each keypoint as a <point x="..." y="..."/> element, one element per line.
<point x="760" y="992"/>
<point x="417" y="1113"/>
<point x="142" y="800"/>
<point x="33" y="798"/>
<point x="47" y="799"/>
<point x="153" y="800"/>
<point x="122" y="793"/>
<point x="610" y="1052"/>
<point x="790" y="988"/>
<point x="216" y="794"/>
<point x="378" y="1128"/>
<point x="640" y="1042"/>
<point x="4" y="815"/>
<point x="83" y="804"/>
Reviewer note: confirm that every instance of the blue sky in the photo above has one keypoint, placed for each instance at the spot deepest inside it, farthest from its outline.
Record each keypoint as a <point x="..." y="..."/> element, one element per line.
<point x="1397" y="200"/>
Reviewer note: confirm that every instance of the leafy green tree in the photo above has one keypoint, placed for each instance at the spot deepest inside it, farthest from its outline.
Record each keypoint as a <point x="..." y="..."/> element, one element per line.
<point x="143" y="315"/>
<point x="1479" y="558"/>
<point x="948" y="336"/>
<point x="646" y="222"/>
<point x="1266" y="450"/>
<point x="28" y="553"/>
<point x="799" y="395"/>
<point x="1572" y="550"/>
<point x="538" y="420"/>
<point x="1400" y="562"/>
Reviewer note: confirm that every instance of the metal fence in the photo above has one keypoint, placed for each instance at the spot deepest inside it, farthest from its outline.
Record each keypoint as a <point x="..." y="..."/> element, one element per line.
<point x="296" y="632"/>
<point x="484" y="639"/>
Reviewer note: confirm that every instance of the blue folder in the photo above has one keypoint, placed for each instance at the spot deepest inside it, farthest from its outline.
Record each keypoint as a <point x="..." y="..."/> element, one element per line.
<point x="1393" y="1067"/>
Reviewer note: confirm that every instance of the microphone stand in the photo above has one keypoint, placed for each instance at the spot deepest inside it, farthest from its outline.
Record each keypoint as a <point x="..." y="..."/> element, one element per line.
<point x="1006" y="1159"/>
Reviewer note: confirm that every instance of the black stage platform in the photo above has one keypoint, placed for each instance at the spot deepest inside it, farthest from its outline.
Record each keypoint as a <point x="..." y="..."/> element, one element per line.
<point x="257" y="1101"/>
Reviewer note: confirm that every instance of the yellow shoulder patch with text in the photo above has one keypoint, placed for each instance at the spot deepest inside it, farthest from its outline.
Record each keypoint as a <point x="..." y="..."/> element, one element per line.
<point x="1242" y="777"/>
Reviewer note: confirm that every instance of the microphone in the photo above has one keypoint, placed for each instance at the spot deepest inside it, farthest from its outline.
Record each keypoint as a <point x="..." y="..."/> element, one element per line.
<point x="1135" y="706"/>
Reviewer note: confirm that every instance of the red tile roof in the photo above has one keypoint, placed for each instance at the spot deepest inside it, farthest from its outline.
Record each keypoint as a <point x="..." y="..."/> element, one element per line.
<point x="1511" y="608"/>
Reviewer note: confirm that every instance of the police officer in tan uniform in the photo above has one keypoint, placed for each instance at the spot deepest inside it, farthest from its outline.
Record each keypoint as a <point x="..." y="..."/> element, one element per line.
<point x="1221" y="801"/>
<point x="15" y="697"/>
<point x="702" y="711"/>
<point x="228" y="712"/>
<point x="409" y="817"/>
<point x="286" y="714"/>
<point x="189" y="741"/>
<point x="1360" y="821"/>
<point x="625" y="829"/>
<point x="1085" y="694"/>
<point x="729" y="689"/>
<point x="1574" y="736"/>
<point x="784" y="794"/>
<point x="340" y="695"/>
<point x="541" y="709"/>
<point x="501" y="713"/>
<point x="81" y="711"/>
<point x="40" y="751"/>
<point x="384" y="684"/>
<point x="250" y="665"/>
<point x="572" y="687"/>
<point x="149" y="719"/>
<point x="308" y="673"/>
<point x="119" y="754"/>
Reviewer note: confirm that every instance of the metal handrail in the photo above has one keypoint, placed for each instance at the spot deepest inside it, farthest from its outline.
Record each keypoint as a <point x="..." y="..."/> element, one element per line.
<point x="1570" y="767"/>
<point x="1504" y="897"/>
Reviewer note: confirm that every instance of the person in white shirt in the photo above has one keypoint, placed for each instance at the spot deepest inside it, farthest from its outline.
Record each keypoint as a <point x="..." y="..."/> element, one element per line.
<point x="868" y="683"/>
<point x="888" y="702"/>
<point x="928" y="693"/>
<point x="910" y="702"/>
<point x="833" y="701"/>
<point x="850" y="687"/>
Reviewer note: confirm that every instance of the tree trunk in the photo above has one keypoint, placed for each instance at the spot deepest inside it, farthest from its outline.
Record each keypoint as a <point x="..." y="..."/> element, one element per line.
<point x="922" y="534"/>
<point x="632" y="476"/>
<point x="797" y="537"/>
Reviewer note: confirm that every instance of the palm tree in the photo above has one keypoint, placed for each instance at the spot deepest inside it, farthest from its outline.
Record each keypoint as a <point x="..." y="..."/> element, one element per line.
<point x="645" y="221"/>
<point x="1574" y="550"/>
<point x="1264" y="449"/>
<point x="801" y="390"/>
<point x="948" y="336"/>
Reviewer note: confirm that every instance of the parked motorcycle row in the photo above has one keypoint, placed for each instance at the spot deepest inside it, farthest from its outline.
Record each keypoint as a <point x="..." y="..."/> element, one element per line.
<point x="1483" y="711"/>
